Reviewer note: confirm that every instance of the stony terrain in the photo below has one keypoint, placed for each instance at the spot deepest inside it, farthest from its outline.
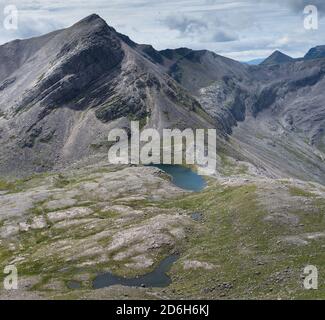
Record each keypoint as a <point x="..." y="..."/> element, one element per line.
<point x="252" y="240"/>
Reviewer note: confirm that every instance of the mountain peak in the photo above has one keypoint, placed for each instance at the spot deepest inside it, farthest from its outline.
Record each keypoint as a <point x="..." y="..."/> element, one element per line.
<point x="277" y="57"/>
<point x="91" y="29"/>
<point x="315" y="53"/>
<point x="93" y="21"/>
<point x="91" y="18"/>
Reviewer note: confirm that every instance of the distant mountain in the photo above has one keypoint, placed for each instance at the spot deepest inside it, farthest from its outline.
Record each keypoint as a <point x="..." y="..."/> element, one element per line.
<point x="277" y="57"/>
<point x="254" y="62"/>
<point x="315" y="53"/>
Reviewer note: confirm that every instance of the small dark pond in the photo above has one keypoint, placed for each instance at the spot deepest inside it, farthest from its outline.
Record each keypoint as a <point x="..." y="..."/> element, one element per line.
<point x="155" y="279"/>
<point x="74" y="285"/>
<point x="197" y="216"/>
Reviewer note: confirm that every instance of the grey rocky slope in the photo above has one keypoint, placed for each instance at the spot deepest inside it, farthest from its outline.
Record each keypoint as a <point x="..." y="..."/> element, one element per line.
<point x="315" y="53"/>
<point x="273" y="113"/>
<point x="61" y="93"/>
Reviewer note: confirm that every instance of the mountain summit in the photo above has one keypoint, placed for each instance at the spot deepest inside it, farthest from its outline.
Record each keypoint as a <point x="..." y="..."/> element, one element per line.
<point x="277" y="57"/>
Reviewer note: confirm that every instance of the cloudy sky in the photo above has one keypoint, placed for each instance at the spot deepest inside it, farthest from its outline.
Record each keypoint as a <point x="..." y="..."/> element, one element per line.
<point x="239" y="29"/>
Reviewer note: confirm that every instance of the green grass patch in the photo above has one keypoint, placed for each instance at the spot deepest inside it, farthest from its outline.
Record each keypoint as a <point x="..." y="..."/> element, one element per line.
<point x="297" y="192"/>
<point x="6" y="186"/>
